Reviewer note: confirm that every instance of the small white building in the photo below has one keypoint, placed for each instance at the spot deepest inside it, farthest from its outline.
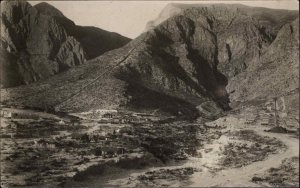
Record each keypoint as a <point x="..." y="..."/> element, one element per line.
<point x="61" y="122"/>
<point x="104" y="111"/>
<point x="6" y="114"/>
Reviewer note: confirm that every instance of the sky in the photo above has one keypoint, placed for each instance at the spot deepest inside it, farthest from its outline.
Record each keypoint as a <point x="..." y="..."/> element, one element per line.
<point x="129" y="18"/>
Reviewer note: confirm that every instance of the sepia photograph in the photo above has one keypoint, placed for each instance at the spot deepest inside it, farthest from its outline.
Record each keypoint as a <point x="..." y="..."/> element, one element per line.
<point x="149" y="93"/>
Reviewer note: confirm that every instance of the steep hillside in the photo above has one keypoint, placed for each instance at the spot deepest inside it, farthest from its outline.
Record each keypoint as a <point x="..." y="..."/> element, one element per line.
<point x="272" y="18"/>
<point x="39" y="41"/>
<point x="275" y="73"/>
<point x="183" y="64"/>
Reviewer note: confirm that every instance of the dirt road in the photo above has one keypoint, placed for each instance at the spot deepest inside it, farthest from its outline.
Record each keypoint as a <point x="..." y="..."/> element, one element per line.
<point x="241" y="177"/>
<point x="212" y="152"/>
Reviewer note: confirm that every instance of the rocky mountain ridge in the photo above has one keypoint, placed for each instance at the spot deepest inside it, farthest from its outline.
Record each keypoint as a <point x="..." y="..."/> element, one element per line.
<point x="275" y="18"/>
<point x="191" y="62"/>
<point x="39" y="41"/>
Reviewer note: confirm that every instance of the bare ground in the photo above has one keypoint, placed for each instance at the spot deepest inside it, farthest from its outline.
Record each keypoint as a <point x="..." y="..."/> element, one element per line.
<point x="225" y="152"/>
<point x="286" y="175"/>
<point x="251" y="152"/>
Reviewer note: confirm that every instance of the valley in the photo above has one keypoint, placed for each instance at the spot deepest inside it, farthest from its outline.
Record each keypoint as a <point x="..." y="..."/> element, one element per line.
<point x="112" y="148"/>
<point x="206" y="96"/>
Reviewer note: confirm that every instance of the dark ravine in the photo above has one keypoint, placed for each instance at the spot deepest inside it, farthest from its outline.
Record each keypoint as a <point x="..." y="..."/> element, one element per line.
<point x="38" y="42"/>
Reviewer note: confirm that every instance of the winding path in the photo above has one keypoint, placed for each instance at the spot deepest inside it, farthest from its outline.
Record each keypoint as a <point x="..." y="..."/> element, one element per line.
<point x="230" y="177"/>
<point x="237" y="177"/>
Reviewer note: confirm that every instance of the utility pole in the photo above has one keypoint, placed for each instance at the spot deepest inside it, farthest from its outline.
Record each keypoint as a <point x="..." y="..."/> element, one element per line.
<point x="275" y="108"/>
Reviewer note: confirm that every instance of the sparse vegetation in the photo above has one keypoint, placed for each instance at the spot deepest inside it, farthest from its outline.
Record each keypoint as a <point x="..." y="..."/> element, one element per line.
<point x="257" y="148"/>
<point x="286" y="175"/>
<point x="41" y="147"/>
<point x="165" y="177"/>
<point x="151" y="103"/>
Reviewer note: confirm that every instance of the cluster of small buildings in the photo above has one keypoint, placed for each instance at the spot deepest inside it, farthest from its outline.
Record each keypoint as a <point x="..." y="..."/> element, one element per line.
<point x="11" y="114"/>
<point x="113" y="116"/>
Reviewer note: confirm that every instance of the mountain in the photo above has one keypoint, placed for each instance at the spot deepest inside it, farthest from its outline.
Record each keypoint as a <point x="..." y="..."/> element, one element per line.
<point x="275" y="74"/>
<point x="202" y="60"/>
<point x="39" y="41"/>
<point x="274" y="18"/>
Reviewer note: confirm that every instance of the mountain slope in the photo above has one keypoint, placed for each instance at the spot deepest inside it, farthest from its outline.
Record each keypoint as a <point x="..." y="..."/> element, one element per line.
<point x="273" y="18"/>
<point x="184" y="65"/>
<point x="43" y="42"/>
<point x="275" y="74"/>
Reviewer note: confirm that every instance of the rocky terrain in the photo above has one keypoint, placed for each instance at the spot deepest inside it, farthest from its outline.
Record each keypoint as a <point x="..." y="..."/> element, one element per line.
<point x="195" y="60"/>
<point x="39" y="149"/>
<point x="284" y="176"/>
<point x="39" y="41"/>
<point x="191" y="103"/>
<point x="275" y="18"/>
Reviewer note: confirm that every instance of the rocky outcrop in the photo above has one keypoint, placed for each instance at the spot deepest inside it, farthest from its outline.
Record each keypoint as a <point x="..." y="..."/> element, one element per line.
<point x="275" y="74"/>
<point x="45" y="42"/>
<point x="70" y="54"/>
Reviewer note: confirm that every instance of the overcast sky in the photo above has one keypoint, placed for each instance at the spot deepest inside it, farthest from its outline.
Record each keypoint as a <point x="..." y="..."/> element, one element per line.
<point x="129" y="18"/>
